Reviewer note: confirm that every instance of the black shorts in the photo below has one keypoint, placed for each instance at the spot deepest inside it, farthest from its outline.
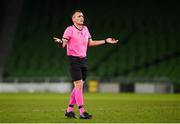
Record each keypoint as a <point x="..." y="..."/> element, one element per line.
<point x="78" y="68"/>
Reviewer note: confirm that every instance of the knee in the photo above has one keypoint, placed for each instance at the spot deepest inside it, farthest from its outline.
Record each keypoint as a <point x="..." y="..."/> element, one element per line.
<point x="78" y="84"/>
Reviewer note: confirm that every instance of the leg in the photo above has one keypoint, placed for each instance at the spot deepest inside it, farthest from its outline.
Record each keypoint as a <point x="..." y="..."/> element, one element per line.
<point x="72" y="101"/>
<point x="75" y="72"/>
<point x="79" y="95"/>
<point x="69" y="111"/>
<point x="79" y="100"/>
<point x="76" y="75"/>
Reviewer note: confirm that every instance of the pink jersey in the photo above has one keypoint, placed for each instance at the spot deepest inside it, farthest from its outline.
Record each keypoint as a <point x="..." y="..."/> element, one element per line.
<point x="77" y="41"/>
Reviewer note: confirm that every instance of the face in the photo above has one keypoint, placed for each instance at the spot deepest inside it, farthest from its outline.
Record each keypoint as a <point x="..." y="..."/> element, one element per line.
<point x="78" y="18"/>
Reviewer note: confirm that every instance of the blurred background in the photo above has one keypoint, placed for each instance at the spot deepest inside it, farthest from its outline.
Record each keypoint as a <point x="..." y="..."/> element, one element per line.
<point x="147" y="58"/>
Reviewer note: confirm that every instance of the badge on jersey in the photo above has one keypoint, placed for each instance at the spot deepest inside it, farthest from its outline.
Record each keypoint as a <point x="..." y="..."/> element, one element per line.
<point x="87" y="38"/>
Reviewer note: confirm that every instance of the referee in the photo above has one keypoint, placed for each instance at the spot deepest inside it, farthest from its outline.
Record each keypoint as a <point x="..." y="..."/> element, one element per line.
<point x="76" y="39"/>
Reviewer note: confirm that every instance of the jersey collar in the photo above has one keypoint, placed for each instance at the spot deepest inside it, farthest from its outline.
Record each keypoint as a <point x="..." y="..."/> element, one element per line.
<point x="78" y="28"/>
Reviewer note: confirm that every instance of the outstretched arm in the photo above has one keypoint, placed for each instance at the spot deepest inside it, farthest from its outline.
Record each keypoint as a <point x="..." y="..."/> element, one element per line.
<point x="101" y="42"/>
<point x="60" y="42"/>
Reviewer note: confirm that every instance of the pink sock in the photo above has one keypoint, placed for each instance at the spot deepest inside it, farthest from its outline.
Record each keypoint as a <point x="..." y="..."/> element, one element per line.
<point x="79" y="99"/>
<point x="72" y="101"/>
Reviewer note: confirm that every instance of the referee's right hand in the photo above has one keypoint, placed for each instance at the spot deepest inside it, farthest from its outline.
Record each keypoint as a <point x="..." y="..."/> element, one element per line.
<point x="57" y="40"/>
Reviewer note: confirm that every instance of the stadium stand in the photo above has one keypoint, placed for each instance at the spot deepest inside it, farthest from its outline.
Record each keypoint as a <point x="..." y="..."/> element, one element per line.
<point x="148" y="49"/>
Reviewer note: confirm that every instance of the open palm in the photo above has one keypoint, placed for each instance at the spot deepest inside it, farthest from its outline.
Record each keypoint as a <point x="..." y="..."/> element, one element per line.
<point x="111" y="40"/>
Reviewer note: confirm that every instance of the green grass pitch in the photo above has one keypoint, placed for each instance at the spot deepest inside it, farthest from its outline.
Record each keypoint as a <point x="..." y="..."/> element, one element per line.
<point x="122" y="107"/>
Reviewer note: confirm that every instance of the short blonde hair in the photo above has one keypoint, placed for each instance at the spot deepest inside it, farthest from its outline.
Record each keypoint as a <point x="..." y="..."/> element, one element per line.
<point x="76" y="11"/>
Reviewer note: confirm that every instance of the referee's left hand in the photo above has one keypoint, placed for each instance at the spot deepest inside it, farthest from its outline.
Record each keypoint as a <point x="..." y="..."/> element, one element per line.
<point x="111" y="40"/>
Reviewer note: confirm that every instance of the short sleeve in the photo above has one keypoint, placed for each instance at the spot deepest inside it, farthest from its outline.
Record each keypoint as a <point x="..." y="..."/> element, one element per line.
<point x="67" y="33"/>
<point x="88" y="33"/>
